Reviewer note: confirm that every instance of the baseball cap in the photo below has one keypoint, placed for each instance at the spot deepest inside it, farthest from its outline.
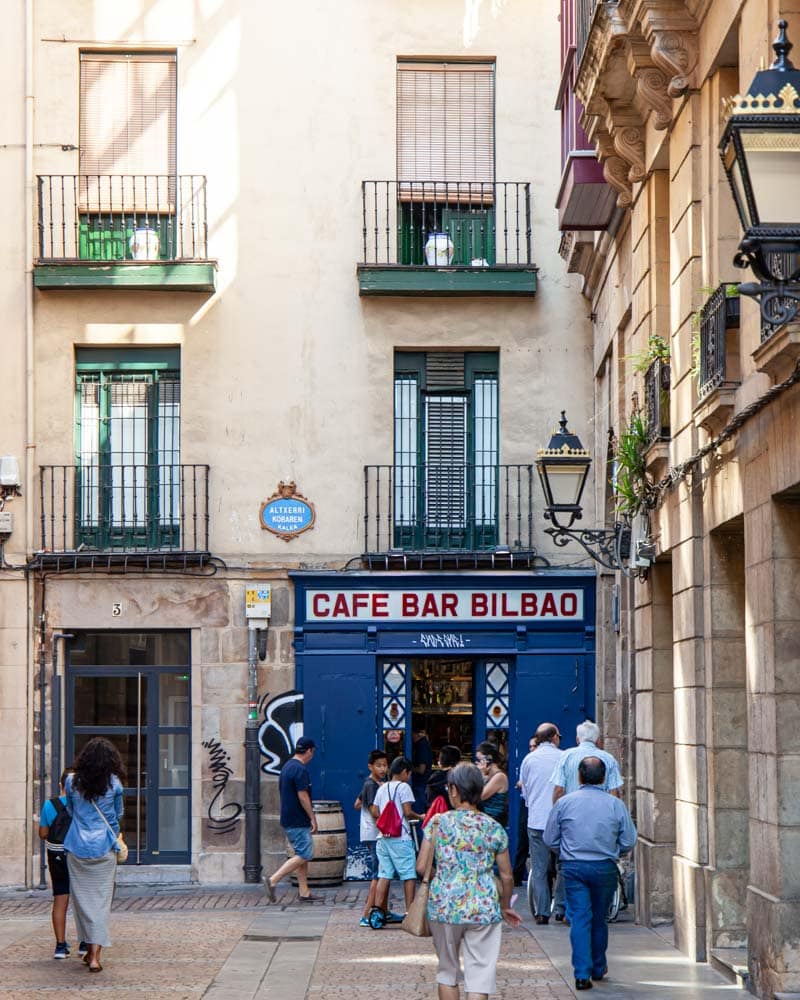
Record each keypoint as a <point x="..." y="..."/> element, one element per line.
<point x="303" y="744"/>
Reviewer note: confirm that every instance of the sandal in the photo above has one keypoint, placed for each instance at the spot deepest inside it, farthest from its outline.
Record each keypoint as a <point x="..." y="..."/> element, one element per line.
<point x="95" y="968"/>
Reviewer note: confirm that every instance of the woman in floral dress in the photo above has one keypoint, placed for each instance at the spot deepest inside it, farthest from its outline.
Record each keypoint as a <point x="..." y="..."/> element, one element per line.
<point x="464" y="911"/>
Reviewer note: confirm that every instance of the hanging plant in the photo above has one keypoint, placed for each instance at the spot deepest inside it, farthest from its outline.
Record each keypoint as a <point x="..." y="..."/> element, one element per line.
<point x="633" y="488"/>
<point x="657" y="350"/>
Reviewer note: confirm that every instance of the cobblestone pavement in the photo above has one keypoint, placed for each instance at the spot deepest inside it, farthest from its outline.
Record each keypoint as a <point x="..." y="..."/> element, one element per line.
<point x="232" y="945"/>
<point x="369" y="965"/>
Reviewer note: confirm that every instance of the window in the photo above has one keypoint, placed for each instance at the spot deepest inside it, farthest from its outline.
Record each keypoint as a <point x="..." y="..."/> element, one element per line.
<point x="128" y="448"/>
<point x="127" y="175"/>
<point x="445" y="159"/>
<point x="446" y="450"/>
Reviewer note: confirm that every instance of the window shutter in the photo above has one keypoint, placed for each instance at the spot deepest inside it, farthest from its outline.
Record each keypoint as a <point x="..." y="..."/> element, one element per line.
<point x="445" y="123"/>
<point x="446" y="456"/>
<point x="127" y="126"/>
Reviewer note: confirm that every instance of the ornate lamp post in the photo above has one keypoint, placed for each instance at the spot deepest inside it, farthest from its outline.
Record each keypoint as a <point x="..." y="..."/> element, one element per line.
<point x="563" y="468"/>
<point x="760" y="151"/>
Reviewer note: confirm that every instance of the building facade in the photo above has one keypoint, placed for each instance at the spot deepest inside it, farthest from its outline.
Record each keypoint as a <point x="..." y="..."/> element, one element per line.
<point x="699" y="399"/>
<point x="285" y="318"/>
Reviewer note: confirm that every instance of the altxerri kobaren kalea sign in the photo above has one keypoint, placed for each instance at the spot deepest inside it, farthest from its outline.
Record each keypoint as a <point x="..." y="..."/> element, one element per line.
<point x="286" y="513"/>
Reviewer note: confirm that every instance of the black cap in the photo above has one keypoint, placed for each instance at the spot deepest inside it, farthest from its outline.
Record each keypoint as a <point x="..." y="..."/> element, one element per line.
<point x="303" y="744"/>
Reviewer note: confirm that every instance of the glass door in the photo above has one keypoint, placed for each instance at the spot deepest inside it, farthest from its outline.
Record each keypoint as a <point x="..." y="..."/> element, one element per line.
<point x="143" y="709"/>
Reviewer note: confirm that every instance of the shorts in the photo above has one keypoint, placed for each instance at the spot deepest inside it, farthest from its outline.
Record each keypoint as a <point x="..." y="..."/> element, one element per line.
<point x="300" y="839"/>
<point x="371" y="859"/>
<point x="396" y="858"/>
<point x="479" y="946"/>
<point x="59" y="873"/>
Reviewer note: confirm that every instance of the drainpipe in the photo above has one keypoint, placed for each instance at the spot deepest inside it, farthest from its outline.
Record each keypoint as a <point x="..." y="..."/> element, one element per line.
<point x="252" y="760"/>
<point x="56" y="702"/>
<point x="42" y="734"/>
<point x="30" y="454"/>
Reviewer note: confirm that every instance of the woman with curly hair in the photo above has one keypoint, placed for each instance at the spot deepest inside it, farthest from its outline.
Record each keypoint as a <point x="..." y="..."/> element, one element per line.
<point x="94" y="800"/>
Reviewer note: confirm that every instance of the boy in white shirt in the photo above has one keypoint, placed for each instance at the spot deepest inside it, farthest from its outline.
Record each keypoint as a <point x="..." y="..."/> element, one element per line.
<point x="378" y="765"/>
<point x="396" y="857"/>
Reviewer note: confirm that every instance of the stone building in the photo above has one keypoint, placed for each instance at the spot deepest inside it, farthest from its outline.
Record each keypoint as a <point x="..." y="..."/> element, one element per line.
<point x="283" y="314"/>
<point x="698" y="675"/>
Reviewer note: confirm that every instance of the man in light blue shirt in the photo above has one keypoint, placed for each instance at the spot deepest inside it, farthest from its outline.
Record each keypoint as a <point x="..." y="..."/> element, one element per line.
<point x="534" y="779"/>
<point x="565" y="775"/>
<point x="590" y="829"/>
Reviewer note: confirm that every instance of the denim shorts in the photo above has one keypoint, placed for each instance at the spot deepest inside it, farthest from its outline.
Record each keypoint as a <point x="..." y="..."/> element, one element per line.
<point x="300" y="839"/>
<point x="396" y="858"/>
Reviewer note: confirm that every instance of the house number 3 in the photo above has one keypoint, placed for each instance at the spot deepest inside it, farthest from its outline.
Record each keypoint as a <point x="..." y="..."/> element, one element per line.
<point x="116" y="609"/>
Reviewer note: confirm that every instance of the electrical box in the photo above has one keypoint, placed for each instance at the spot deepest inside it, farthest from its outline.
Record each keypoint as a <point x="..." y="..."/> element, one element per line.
<point x="6" y="522"/>
<point x="9" y="471"/>
<point x="258" y="601"/>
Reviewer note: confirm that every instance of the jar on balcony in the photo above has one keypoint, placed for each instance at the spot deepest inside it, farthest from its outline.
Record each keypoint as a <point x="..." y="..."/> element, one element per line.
<point x="439" y="250"/>
<point x="144" y="244"/>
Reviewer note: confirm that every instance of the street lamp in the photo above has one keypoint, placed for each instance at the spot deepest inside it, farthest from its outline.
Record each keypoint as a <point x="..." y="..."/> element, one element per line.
<point x="760" y="151"/>
<point x="563" y="468"/>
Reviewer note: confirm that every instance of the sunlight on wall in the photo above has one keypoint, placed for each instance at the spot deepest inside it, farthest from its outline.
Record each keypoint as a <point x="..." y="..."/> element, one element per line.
<point x="472" y="17"/>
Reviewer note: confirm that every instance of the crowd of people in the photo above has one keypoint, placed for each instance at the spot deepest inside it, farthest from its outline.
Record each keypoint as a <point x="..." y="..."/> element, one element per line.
<point x="576" y="828"/>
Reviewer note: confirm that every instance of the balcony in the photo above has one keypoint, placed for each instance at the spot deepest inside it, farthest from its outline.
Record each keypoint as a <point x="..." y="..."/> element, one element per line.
<point x="585" y="201"/>
<point x="103" y="516"/>
<point x="446" y="238"/>
<point x="718" y="375"/>
<point x="448" y="516"/>
<point x="123" y="231"/>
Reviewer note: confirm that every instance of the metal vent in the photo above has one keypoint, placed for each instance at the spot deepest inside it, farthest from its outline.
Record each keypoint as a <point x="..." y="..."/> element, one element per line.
<point x="444" y="370"/>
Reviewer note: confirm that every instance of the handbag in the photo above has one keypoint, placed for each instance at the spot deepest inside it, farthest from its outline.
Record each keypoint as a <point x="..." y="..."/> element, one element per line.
<point x="121" y="846"/>
<point x="416" y="919"/>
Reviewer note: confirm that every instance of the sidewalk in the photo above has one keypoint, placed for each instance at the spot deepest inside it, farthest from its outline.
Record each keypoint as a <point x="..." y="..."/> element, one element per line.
<point x="229" y="944"/>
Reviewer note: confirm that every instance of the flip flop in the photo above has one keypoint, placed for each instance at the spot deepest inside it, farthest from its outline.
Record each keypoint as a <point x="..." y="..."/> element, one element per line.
<point x="270" y="891"/>
<point x="311" y="898"/>
<point x="95" y="968"/>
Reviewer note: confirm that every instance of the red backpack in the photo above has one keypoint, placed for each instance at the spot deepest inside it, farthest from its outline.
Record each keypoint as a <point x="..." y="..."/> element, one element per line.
<point x="390" y="822"/>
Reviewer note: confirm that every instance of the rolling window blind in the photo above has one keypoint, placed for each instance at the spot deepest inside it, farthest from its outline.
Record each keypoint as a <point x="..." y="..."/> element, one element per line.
<point x="445" y="123"/>
<point x="127" y="113"/>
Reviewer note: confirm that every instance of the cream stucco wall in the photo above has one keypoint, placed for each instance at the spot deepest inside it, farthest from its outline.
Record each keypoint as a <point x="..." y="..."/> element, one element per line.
<point x="286" y="372"/>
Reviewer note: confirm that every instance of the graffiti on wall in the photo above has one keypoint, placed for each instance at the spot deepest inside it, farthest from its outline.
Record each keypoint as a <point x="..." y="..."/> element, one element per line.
<point x="281" y="728"/>
<point x="221" y="818"/>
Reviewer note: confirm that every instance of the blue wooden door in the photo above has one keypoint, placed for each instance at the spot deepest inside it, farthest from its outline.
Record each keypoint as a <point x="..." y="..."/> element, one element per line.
<point x="339" y="714"/>
<point x="549" y="687"/>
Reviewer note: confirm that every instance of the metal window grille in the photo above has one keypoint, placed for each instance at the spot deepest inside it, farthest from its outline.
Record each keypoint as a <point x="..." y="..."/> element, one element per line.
<point x="497" y="695"/>
<point x="129" y="473"/>
<point x="393" y="695"/>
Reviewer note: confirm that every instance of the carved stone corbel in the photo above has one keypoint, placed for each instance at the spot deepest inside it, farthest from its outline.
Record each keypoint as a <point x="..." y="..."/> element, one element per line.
<point x="651" y="87"/>
<point x="675" y="53"/>
<point x="651" y="83"/>
<point x="615" y="169"/>
<point x="624" y="126"/>
<point x="671" y="32"/>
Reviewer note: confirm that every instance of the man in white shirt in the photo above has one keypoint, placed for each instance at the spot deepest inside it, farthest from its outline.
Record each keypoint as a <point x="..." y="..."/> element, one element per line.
<point x="535" y="779"/>
<point x="396" y="856"/>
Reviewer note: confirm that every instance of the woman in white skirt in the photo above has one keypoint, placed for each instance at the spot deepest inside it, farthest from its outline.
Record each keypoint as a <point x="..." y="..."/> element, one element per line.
<point x="465" y="910"/>
<point x="94" y="800"/>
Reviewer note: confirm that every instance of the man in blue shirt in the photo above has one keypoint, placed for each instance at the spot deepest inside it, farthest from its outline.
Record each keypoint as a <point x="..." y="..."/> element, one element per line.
<point x="534" y="777"/>
<point x="565" y="775"/>
<point x="590" y="829"/>
<point x="297" y="819"/>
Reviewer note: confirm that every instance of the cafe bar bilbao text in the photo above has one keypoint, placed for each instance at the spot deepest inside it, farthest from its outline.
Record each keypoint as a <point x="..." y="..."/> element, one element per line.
<point x="443" y="605"/>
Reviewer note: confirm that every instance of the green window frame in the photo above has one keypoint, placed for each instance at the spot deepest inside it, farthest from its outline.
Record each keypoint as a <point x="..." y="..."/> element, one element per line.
<point x="446" y="450"/>
<point x="127" y="448"/>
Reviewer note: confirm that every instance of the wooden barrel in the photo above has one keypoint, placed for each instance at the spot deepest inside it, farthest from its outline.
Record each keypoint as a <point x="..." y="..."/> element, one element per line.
<point x="326" y="868"/>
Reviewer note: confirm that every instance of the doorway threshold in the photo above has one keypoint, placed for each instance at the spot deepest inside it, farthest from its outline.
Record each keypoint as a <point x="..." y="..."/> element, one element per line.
<point x="162" y="876"/>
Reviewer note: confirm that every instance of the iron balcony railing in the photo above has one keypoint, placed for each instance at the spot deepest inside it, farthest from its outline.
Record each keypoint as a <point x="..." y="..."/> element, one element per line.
<point x="446" y="223"/>
<point x="448" y="508"/>
<point x="131" y="508"/>
<point x="656" y="402"/>
<point x="719" y="314"/>
<point x="584" y="15"/>
<point x="111" y="217"/>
